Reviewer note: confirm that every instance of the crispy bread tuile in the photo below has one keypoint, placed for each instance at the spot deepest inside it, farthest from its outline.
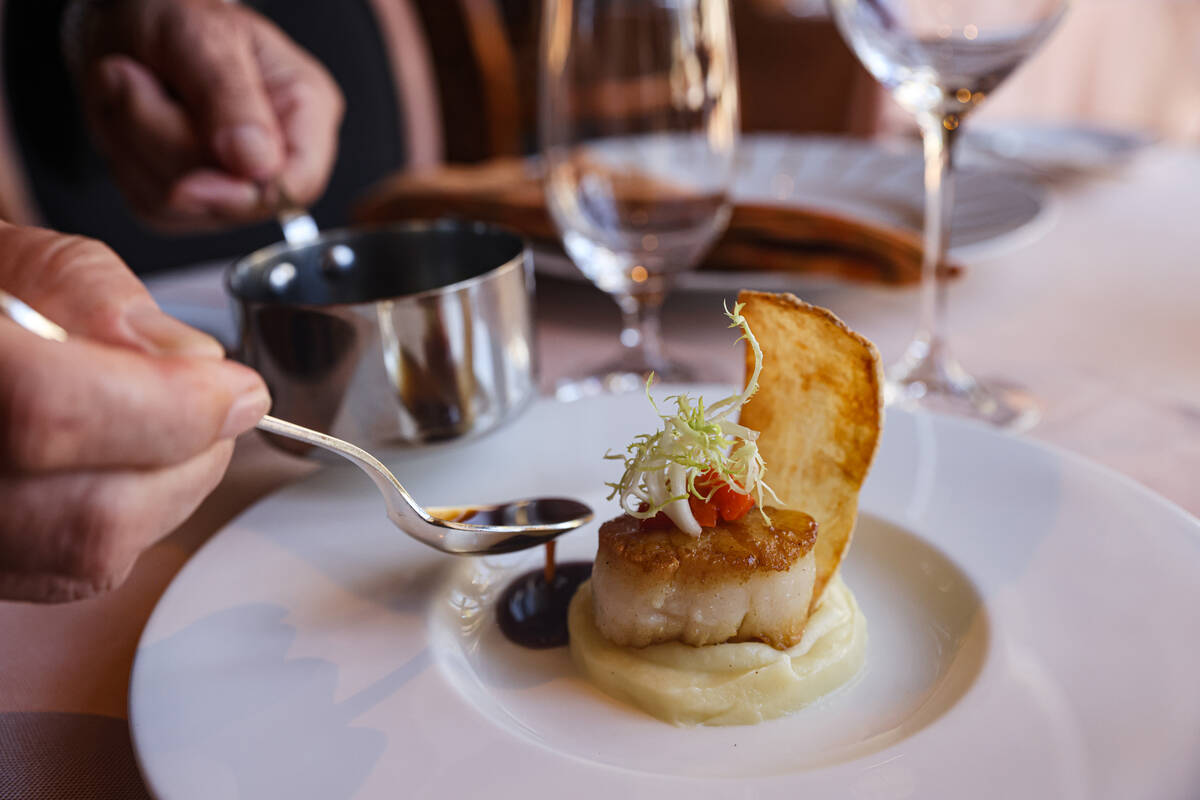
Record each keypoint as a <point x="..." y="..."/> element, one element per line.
<point x="819" y="413"/>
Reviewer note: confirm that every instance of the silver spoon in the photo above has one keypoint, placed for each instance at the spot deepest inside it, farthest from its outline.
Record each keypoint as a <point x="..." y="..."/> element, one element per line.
<point x="467" y="530"/>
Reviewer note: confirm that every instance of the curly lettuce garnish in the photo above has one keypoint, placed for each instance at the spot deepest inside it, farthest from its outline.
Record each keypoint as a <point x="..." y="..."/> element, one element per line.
<point x="661" y="468"/>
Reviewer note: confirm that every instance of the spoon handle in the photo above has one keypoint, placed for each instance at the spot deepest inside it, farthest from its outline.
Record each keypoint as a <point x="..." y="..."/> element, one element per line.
<point x="298" y="226"/>
<point x="400" y="504"/>
<point x="29" y="319"/>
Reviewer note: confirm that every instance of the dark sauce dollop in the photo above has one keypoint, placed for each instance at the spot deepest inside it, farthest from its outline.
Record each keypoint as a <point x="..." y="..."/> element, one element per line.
<point x="533" y="611"/>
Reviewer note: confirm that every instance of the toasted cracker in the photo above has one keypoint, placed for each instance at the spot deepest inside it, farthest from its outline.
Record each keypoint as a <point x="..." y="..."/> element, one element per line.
<point x="819" y="410"/>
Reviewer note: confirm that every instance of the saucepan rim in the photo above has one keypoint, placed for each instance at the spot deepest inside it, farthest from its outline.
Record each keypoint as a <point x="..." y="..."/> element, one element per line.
<point x="336" y="235"/>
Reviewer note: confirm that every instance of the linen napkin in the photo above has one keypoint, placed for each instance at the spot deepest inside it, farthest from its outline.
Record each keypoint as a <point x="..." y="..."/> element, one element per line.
<point x="759" y="237"/>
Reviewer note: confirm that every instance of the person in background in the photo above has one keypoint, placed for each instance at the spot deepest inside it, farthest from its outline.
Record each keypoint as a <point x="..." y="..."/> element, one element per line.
<point x="201" y="108"/>
<point x="163" y="127"/>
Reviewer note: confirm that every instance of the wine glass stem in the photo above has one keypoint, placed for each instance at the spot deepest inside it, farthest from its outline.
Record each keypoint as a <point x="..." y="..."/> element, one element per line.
<point x="937" y="134"/>
<point x="641" y="330"/>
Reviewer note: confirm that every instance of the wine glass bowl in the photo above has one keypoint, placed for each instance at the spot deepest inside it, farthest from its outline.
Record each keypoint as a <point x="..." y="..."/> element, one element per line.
<point x="940" y="59"/>
<point x="639" y="121"/>
<point x="944" y="57"/>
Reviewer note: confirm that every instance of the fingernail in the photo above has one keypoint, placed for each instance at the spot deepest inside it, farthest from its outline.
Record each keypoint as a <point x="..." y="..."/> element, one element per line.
<point x="248" y="150"/>
<point x="246" y="411"/>
<point x="162" y="334"/>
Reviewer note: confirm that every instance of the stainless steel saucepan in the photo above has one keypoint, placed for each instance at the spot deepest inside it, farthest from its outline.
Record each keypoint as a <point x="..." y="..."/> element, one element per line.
<point x="405" y="334"/>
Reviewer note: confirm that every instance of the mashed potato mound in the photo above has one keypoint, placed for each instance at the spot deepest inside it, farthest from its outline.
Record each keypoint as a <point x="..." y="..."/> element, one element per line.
<point x="725" y="684"/>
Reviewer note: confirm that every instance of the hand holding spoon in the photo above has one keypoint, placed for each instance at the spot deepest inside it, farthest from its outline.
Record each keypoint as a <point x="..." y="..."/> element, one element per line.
<point x="500" y="528"/>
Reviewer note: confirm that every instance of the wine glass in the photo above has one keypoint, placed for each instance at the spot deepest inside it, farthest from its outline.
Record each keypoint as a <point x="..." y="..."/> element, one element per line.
<point x="639" y="124"/>
<point x="940" y="59"/>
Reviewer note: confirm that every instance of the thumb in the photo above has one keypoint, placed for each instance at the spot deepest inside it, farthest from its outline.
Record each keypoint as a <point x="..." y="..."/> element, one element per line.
<point x="215" y="73"/>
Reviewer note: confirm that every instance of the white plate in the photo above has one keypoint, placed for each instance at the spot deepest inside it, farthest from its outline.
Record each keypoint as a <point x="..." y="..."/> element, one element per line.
<point x="874" y="181"/>
<point x="1032" y="622"/>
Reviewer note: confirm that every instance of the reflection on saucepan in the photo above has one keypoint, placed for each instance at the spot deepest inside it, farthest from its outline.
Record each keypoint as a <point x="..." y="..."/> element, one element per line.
<point x="429" y="363"/>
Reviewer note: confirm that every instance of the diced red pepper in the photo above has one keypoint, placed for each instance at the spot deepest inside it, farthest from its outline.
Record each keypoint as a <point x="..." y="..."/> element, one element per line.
<point x="730" y="503"/>
<point x="725" y="503"/>
<point x="705" y="511"/>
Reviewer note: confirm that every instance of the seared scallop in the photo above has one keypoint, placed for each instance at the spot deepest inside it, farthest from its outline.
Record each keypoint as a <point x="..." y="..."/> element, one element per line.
<point x="741" y="581"/>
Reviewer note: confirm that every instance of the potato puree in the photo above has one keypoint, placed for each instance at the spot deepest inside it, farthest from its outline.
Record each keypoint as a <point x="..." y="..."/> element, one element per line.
<point x="725" y="684"/>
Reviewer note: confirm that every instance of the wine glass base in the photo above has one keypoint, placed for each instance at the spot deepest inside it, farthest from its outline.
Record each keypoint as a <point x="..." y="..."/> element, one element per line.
<point x="621" y="376"/>
<point x="996" y="403"/>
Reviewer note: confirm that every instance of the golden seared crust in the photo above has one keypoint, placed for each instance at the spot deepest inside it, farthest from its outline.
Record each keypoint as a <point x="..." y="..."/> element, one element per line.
<point x="784" y="637"/>
<point x="741" y="547"/>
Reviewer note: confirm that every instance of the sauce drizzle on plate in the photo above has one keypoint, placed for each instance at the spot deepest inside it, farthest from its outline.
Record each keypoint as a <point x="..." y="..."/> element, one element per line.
<point x="532" y="611"/>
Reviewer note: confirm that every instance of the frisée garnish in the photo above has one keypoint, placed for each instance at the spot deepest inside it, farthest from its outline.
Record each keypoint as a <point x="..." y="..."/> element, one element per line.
<point x="662" y="468"/>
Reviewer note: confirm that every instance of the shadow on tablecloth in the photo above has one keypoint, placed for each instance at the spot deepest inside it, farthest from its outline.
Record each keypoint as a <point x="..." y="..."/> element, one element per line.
<point x="58" y="756"/>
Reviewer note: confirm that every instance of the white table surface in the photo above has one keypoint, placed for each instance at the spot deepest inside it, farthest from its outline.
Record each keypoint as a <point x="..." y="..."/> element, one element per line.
<point x="1100" y="318"/>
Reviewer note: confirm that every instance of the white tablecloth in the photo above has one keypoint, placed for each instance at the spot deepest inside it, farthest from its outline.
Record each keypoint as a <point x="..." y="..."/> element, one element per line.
<point x="1100" y="317"/>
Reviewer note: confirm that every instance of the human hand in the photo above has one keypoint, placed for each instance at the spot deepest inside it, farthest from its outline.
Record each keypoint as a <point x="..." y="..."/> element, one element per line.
<point x="200" y="106"/>
<point x="110" y="440"/>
